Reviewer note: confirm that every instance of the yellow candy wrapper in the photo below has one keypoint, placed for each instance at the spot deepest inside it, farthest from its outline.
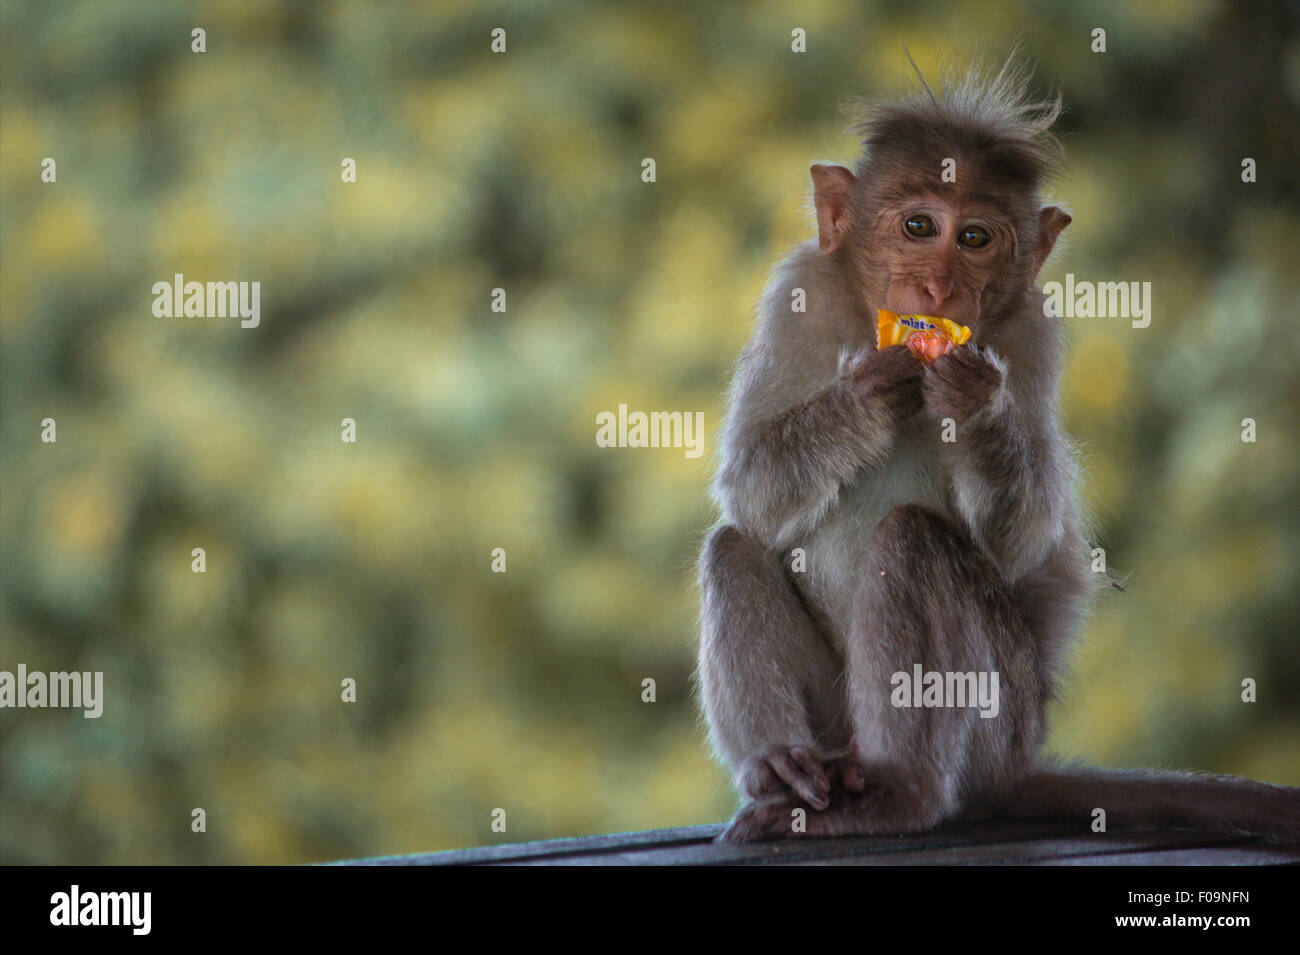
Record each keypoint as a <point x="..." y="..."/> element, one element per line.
<point x="926" y="336"/>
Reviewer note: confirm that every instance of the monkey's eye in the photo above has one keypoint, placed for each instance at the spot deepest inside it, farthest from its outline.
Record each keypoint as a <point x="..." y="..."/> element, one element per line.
<point x="920" y="226"/>
<point x="973" y="237"/>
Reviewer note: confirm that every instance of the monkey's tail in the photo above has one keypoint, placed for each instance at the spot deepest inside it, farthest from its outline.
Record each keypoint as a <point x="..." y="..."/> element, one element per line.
<point x="1149" y="799"/>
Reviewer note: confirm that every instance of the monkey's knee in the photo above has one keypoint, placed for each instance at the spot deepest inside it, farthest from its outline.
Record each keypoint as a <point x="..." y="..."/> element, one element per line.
<point x="913" y="544"/>
<point x="728" y="551"/>
<point x="912" y="525"/>
<point x="721" y="548"/>
<point x="736" y="563"/>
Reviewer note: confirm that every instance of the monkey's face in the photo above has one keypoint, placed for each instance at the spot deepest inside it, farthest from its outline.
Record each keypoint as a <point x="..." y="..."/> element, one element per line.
<point x="934" y="256"/>
<point x="966" y="253"/>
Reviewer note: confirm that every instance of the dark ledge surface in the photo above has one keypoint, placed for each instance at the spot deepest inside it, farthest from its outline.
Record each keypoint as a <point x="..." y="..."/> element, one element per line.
<point x="971" y="843"/>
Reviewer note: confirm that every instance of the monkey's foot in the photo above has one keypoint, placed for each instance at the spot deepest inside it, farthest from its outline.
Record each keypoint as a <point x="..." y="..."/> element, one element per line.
<point x="785" y="768"/>
<point x="799" y="770"/>
<point x="873" y="812"/>
<point x="769" y="818"/>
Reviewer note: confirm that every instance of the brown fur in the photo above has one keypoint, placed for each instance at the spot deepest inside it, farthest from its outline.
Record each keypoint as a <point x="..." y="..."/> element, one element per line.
<point x="964" y="556"/>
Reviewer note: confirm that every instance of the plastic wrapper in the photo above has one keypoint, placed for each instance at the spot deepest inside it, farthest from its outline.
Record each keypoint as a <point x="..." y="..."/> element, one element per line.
<point x="926" y="336"/>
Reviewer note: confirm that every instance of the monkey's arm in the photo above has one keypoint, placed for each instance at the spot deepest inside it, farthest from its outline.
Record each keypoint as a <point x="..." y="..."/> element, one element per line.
<point x="1012" y="473"/>
<point x="782" y="470"/>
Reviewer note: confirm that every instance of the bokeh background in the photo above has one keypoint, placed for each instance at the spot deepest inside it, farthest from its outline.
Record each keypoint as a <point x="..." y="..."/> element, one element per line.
<point x="328" y="560"/>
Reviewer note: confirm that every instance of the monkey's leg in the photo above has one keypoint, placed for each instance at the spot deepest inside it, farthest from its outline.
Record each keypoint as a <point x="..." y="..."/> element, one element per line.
<point x="926" y="596"/>
<point x="772" y="688"/>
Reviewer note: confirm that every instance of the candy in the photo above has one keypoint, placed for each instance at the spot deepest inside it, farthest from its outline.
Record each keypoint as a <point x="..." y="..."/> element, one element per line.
<point x="926" y="336"/>
<point x="928" y="345"/>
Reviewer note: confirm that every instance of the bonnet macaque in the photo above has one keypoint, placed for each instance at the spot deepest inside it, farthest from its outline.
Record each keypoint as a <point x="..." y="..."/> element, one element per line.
<point x="887" y="516"/>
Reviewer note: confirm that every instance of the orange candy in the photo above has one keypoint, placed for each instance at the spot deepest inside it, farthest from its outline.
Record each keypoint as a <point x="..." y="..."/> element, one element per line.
<point x="926" y="336"/>
<point x="929" y="346"/>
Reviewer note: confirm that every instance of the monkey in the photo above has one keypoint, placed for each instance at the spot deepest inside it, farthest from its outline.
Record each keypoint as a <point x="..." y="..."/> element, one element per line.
<point x="855" y="543"/>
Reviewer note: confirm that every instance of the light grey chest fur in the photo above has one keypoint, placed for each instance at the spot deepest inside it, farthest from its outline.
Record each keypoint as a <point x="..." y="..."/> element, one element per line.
<point x="913" y="474"/>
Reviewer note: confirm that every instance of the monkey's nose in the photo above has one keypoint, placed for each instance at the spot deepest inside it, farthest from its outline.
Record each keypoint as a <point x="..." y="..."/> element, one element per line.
<point x="939" y="287"/>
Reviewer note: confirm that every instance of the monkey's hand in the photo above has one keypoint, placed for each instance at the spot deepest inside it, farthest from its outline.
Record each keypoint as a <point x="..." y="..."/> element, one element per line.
<point x="890" y="377"/>
<point x="962" y="383"/>
<point x="798" y="770"/>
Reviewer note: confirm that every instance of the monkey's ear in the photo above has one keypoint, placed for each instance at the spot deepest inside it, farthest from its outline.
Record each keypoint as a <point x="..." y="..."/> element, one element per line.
<point x="1051" y="220"/>
<point x="831" y="188"/>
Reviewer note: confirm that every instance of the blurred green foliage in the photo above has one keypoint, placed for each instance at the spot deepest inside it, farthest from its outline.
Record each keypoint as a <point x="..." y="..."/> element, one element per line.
<point x="476" y="429"/>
